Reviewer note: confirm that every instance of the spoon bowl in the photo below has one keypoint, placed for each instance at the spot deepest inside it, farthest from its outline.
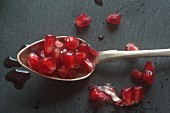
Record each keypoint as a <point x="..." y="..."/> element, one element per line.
<point x="103" y="57"/>
<point x="38" y="45"/>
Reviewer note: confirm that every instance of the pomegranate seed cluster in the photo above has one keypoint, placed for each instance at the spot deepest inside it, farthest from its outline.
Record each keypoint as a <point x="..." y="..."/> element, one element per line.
<point x="63" y="57"/>
<point x="129" y="95"/>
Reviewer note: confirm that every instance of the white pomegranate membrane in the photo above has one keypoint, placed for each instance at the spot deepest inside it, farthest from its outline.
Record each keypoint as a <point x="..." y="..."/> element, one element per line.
<point x="66" y="57"/>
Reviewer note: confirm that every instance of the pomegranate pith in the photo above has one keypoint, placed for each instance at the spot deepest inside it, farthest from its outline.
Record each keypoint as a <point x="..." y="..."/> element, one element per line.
<point x="82" y="20"/>
<point x="114" y="18"/>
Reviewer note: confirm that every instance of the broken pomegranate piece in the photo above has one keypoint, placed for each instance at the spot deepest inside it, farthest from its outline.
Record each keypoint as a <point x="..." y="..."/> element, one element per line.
<point x="71" y="42"/>
<point x="33" y="61"/>
<point x="127" y="96"/>
<point x="114" y="18"/>
<point x="131" y="47"/>
<point x="47" y="65"/>
<point x="138" y="94"/>
<point x="82" y="20"/>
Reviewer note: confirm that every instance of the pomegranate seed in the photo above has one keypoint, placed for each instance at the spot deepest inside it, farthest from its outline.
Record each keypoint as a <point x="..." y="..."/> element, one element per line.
<point x="80" y="56"/>
<point x="33" y="61"/>
<point x="87" y="66"/>
<point x="114" y="18"/>
<point x="67" y="73"/>
<point x="150" y="66"/>
<point x="136" y="74"/>
<point x="127" y="96"/>
<point x="59" y="44"/>
<point x="148" y="76"/>
<point x="83" y="20"/>
<point x="96" y="94"/>
<point x="47" y="65"/>
<point x="138" y="94"/>
<point x="68" y="59"/>
<point x="93" y="51"/>
<point x="71" y="42"/>
<point x="131" y="47"/>
<point x="84" y="48"/>
<point x="49" y="43"/>
<point x="56" y="56"/>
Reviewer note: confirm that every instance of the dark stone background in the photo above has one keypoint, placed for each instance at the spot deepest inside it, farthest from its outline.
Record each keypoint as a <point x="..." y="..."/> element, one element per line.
<point x="144" y="22"/>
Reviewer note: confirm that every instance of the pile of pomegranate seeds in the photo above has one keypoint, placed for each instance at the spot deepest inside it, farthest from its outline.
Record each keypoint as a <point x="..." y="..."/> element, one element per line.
<point x="146" y="75"/>
<point x="130" y="96"/>
<point x="114" y="18"/>
<point x="82" y="20"/>
<point x="131" y="47"/>
<point x="63" y="57"/>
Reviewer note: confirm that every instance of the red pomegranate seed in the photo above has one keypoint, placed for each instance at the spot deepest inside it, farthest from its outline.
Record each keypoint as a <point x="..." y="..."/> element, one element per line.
<point x="47" y="65"/>
<point x="148" y="76"/>
<point x="114" y="18"/>
<point x="138" y="94"/>
<point x="56" y="56"/>
<point x="33" y="61"/>
<point x="49" y="43"/>
<point x="68" y="59"/>
<point x="71" y="42"/>
<point x="136" y="74"/>
<point x="80" y="56"/>
<point x="59" y="44"/>
<point x="127" y="96"/>
<point x="131" y="47"/>
<point x="93" y="51"/>
<point x="96" y="95"/>
<point x="67" y="73"/>
<point x="83" y="20"/>
<point x="150" y="66"/>
<point x="87" y="66"/>
<point x="84" y="48"/>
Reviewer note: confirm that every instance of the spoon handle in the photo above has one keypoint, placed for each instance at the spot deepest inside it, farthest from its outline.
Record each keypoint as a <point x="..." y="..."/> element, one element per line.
<point x="112" y="55"/>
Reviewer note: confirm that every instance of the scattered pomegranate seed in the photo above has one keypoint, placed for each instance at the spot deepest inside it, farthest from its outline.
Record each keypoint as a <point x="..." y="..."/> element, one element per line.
<point x="80" y="56"/>
<point x="67" y="73"/>
<point x="150" y="66"/>
<point x="84" y="48"/>
<point x="82" y="20"/>
<point x="148" y="76"/>
<point x="138" y="94"/>
<point x="49" y="43"/>
<point x="131" y="47"/>
<point x="71" y="42"/>
<point x="127" y="96"/>
<point x="33" y="61"/>
<point x="136" y="74"/>
<point x="59" y="44"/>
<point x="47" y="65"/>
<point x="114" y="18"/>
<point x="68" y="59"/>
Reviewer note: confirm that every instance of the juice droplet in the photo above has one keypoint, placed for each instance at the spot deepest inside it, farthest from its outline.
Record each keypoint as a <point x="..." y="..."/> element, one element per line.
<point x="18" y="77"/>
<point x="11" y="62"/>
<point x="101" y="38"/>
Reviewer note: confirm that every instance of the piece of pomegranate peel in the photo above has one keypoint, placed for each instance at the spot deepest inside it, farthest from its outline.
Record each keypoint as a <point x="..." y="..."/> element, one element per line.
<point x="33" y="61"/>
<point x="82" y="20"/>
<point x="131" y="47"/>
<point x="104" y="93"/>
<point x="114" y="18"/>
<point x="49" y="43"/>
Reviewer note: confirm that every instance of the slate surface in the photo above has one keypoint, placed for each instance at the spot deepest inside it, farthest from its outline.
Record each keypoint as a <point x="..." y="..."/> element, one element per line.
<point x="144" y="22"/>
